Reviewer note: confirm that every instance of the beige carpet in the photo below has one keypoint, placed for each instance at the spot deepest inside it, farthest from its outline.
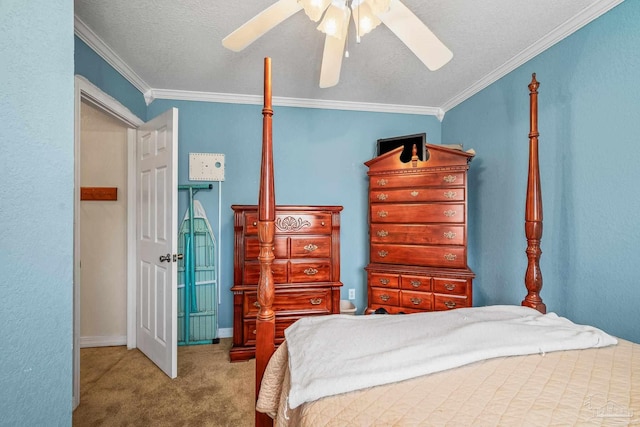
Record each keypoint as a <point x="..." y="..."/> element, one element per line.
<point x="120" y="387"/>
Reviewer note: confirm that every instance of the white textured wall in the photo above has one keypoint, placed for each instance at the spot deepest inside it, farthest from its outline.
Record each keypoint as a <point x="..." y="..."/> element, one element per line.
<point x="36" y="212"/>
<point x="103" y="227"/>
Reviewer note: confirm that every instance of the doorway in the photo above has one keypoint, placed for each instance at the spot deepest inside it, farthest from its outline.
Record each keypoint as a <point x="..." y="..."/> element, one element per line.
<point x="88" y="94"/>
<point x="103" y="230"/>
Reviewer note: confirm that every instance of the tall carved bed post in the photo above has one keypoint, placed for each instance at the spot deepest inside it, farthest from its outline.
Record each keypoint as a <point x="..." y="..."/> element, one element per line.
<point x="533" y="210"/>
<point x="265" y="322"/>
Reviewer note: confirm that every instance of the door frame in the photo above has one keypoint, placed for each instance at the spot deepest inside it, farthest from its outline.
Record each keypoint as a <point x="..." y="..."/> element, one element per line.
<point x="86" y="91"/>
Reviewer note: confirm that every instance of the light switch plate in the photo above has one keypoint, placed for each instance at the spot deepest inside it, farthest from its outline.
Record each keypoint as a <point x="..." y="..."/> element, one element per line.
<point x="206" y="167"/>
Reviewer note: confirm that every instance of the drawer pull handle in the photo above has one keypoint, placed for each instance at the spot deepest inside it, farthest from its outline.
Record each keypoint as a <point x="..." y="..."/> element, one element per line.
<point x="382" y="196"/>
<point x="449" y="286"/>
<point x="415" y="283"/>
<point x="450" y="304"/>
<point x="310" y="271"/>
<point x="450" y="257"/>
<point x="385" y="281"/>
<point x="414" y="193"/>
<point x="322" y="223"/>
<point x="450" y="194"/>
<point x="449" y="213"/>
<point x="382" y="254"/>
<point x="256" y="304"/>
<point x="449" y="178"/>
<point x="315" y="301"/>
<point x="255" y="223"/>
<point x="382" y="233"/>
<point x="416" y="301"/>
<point x="385" y="297"/>
<point x="310" y="247"/>
<point x="449" y="234"/>
<point x="255" y="332"/>
<point x="382" y="182"/>
<point x="383" y="214"/>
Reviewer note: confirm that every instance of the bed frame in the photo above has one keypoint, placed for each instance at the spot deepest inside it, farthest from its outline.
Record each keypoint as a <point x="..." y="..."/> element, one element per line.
<point x="265" y="324"/>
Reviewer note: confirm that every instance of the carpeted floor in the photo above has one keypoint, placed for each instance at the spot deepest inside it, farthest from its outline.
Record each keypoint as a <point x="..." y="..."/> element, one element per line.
<point x="120" y="387"/>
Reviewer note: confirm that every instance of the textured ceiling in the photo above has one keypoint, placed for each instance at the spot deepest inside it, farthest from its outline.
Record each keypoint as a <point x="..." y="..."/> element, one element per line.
<point x="176" y="45"/>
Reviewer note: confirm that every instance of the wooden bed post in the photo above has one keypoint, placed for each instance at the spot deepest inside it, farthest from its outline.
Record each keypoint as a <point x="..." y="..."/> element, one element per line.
<point x="533" y="210"/>
<point x="265" y="322"/>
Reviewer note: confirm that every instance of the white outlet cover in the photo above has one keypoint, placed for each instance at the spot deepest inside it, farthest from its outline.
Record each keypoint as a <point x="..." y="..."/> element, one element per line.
<point x="206" y="167"/>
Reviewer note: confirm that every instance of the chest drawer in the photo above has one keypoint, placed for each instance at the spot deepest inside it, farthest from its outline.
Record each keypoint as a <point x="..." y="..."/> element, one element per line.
<point x="385" y="296"/>
<point x="293" y="222"/>
<point x="417" y="213"/>
<point x="450" y="286"/>
<point x="251" y="272"/>
<point x="383" y="280"/>
<point x="446" y="179"/>
<point x="281" y="325"/>
<point x="304" y="272"/>
<point x="292" y="301"/>
<point x="418" y="234"/>
<point x="449" y="302"/>
<point x="415" y="283"/>
<point x="310" y="247"/>
<point x="252" y="248"/>
<point x="438" y="256"/>
<point x="417" y="300"/>
<point x="418" y="194"/>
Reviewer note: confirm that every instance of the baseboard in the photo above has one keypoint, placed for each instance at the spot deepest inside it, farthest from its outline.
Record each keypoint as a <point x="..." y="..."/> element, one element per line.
<point x="225" y="332"/>
<point x="103" y="341"/>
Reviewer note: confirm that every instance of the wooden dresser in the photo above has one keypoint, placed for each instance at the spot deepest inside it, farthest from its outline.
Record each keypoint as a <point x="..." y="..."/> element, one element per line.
<point x="306" y="269"/>
<point x="418" y="232"/>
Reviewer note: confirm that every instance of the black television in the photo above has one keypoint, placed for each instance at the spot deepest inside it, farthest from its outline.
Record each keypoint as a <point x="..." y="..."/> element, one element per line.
<point x="385" y="145"/>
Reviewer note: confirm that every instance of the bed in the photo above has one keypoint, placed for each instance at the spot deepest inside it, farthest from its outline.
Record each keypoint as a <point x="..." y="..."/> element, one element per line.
<point x="517" y="365"/>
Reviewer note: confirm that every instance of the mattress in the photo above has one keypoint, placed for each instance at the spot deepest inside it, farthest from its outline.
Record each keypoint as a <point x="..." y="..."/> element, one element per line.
<point x="593" y="387"/>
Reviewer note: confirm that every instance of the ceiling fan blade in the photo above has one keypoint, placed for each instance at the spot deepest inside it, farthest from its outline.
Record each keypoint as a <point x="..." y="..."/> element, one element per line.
<point x="415" y="34"/>
<point x="260" y="24"/>
<point x="331" y="61"/>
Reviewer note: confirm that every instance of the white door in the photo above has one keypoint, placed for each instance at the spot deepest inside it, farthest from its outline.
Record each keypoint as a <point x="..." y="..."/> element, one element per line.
<point x="157" y="229"/>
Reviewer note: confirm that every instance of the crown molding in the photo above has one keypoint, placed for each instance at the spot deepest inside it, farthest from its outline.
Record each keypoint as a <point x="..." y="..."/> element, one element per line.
<point x="87" y="35"/>
<point x="564" y="30"/>
<point x="295" y="102"/>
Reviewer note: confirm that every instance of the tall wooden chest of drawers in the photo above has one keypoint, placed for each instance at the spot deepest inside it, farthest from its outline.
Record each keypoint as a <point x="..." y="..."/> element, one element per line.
<point x="306" y="269"/>
<point x="418" y="232"/>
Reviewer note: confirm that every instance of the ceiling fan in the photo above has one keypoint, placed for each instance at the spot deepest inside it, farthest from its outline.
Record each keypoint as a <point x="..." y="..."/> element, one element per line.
<point x="335" y="14"/>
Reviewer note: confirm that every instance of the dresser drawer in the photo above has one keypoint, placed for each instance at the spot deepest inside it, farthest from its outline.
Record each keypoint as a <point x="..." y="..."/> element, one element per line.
<point x="450" y="286"/>
<point x="385" y="296"/>
<point x="417" y="300"/>
<point x="445" y="179"/>
<point x="418" y="194"/>
<point x="383" y="280"/>
<point x="314" y="271"/>
<point x="281" y="325"/>
<point x="310" y="247"/>
<point x="415" y="283"/>
<point x="292" y="222"/>
<point x="417" y="213"/>
<point x="251" y="272"/>
<point x="252" y="248"/>
<point x="420" y="234"/>
<point x="448" y="302"/>
<point x="435" y="256"/>
<point x="292" y="301"/>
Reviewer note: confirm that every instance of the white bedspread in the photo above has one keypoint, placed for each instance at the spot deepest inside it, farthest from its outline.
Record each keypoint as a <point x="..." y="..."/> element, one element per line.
<point x="336" y="354"/>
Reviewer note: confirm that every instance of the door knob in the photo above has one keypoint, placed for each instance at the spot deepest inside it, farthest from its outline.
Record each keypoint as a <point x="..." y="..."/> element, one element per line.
<point x="166" y="258"/>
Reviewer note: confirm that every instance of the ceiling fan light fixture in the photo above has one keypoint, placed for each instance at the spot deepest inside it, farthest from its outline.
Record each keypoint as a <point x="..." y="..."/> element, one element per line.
<point x="363" y="17"/>
<point x="378" y="6"/>
<point x="314" y="8"/>
<point x="336" y="20"/>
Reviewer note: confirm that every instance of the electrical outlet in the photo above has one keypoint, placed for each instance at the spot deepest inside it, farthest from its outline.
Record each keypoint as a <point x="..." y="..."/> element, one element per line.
<point x="352" y="293"/>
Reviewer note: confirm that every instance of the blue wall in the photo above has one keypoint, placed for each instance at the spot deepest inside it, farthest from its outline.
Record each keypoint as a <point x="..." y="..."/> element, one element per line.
<point x="588" y="119"/>
<point x="95" y="69"/>
<point x="36" y="212"/>
<point x="318" y="156"/>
